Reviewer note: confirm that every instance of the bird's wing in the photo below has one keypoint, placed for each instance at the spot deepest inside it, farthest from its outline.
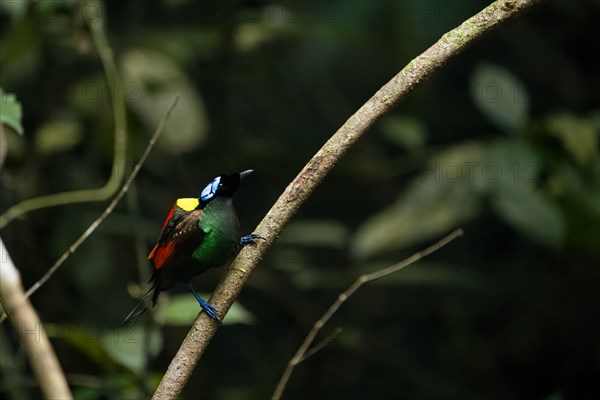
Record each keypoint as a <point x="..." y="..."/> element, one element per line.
<point x="179" y="210"/>
<point x="180" y="227"/>
<point x="174" y="217"/>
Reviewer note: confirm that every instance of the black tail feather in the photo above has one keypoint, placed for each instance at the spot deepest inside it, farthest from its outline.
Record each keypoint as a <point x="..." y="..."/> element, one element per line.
<point x="139" y="309"/>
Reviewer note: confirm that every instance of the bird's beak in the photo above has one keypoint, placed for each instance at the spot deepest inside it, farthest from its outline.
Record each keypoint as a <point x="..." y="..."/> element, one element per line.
<point x="245" y="174"/>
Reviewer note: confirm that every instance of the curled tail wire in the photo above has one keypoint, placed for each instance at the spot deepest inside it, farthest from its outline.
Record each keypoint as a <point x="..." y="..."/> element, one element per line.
<point x="139" y="309"/>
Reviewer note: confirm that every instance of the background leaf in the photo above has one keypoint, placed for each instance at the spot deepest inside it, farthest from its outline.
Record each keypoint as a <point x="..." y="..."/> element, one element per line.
<point x="129" y="348"/>
<point x="579" y="136"/>
<point x="10" y="112"/>
<point x="442" y="198"/>
<point x="58" y="135"/>
<point x="151" y="81"/>
<point x="405" y="131"/>
<point x="500" y="96"/>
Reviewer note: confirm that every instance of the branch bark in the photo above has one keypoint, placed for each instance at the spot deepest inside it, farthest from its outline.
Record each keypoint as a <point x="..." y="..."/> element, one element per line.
<point x="419" y="69"/>
<point x="25" y="320"/>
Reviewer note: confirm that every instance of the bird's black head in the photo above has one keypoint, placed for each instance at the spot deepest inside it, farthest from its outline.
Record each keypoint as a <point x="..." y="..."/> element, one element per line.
<point x="222" y="186"/>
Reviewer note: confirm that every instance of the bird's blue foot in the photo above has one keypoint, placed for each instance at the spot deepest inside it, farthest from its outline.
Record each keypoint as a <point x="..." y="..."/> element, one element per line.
<point x="250" y="239"/>
<point x="208" y="308"/>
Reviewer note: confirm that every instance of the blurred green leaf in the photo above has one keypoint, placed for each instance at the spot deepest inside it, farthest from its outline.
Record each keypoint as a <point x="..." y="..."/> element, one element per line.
<point x="128" y="346"/>
<point x="512" y="162"/>
<point x="532" y="213"/>
<point x="451" y="192"/>
<point x="182" y="310"/>
<point x="151" y="81"/>
<point x="500" y="96"/>
<point x="111" y="348"/>
<point x="404" y="131"/>
<point x="585" y="191"/>
<point x="85" y="339"/>
<point x="58" y="135"/>
<point x="517" y="198"/>
<point x="251" y="35"/>
<point x="448" y="194"/>
<point x="578" y="136"/>
<point x="309" y="277"/>
<point x="10" y="112"/>
<point x="315" y="233"/>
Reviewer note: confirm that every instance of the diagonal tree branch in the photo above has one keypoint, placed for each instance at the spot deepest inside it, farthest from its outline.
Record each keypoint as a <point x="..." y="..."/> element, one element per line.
<point x="26" y="322"/>
<point x="419" y="69"/>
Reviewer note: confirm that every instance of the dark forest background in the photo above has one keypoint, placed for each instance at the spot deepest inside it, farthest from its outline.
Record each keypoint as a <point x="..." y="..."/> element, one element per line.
<point x="502" y="141"/>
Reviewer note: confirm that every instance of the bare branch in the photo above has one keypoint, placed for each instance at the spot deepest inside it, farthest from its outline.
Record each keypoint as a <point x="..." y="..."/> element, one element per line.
<point x="25" y="320"/>
<point x="419" y="69"/>
<point x="303" y="351"/>
<point x="321" y="345"/>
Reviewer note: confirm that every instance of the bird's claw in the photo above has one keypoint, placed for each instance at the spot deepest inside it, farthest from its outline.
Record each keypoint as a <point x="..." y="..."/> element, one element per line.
<point x="250" y="239"/>
<point x="210" y="310"/>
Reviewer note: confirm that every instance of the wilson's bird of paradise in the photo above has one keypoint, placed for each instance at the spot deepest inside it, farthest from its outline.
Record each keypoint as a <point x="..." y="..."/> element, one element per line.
<point x="198" y="234"/>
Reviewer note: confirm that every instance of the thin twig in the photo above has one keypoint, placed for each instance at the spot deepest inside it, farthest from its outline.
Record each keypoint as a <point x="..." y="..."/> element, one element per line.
<point x="108" y="209"/>
<point x="303" y="351"/>
<point x="313" y="173"/>
<point x="120" y="146"/>
<point x="320" y="345"/>
<point x="42" y="358"/>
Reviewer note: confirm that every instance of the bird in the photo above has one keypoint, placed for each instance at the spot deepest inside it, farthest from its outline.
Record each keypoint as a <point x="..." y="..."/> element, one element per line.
<point x="198" y="234"/>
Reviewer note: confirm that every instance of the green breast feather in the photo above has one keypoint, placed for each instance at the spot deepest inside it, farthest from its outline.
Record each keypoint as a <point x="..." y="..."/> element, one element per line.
<point x="220" y="224"/>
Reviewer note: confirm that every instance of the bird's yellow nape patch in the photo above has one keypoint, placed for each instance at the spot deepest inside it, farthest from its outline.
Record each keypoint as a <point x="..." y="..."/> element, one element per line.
<point x="187" y="204"/>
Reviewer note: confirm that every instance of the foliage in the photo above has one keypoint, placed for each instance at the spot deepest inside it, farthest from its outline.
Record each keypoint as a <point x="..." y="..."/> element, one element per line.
<point x="10" y="112"/>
